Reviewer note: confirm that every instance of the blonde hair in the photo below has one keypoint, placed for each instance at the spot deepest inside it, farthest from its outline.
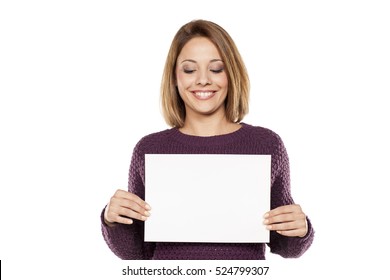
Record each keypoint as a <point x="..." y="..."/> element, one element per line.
<point x="237" y="100"/>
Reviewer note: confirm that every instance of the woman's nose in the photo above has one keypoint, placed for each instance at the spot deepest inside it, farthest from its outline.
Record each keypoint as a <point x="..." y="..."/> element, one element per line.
<point x="203" y="78"/>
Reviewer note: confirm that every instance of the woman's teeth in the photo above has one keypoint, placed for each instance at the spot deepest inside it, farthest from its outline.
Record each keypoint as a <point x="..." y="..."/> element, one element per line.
<point x="203" y="94"/>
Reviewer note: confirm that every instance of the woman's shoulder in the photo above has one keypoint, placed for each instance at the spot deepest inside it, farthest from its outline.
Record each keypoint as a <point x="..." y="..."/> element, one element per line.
<point x="266" y="140"/>
<point x="262" y="132"/>
<point x="154" y="139"/>
<point x="159" y="135"/>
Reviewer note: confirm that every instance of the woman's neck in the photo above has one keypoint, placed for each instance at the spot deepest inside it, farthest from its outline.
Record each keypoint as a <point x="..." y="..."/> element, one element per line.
<point x="208" y="126"/>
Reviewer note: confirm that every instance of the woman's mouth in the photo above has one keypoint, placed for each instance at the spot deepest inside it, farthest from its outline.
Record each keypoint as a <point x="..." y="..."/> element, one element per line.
<point x="203" y="95"/>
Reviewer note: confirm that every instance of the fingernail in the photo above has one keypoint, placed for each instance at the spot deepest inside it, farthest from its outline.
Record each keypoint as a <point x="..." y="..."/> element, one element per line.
<point x="266" y="222"/>
<point x="144" y="218"/>
<point x="147" y="207"/>
<point x="266" y="215"/>
<point x="269" y="227"/>
<point x="147" y="213"/>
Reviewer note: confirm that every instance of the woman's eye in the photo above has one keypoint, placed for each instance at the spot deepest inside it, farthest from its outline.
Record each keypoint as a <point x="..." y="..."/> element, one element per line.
<point x="190" y="71"/>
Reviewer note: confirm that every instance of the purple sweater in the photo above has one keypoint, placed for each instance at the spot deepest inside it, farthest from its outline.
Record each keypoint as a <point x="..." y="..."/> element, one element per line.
<point x="126" y="241"/>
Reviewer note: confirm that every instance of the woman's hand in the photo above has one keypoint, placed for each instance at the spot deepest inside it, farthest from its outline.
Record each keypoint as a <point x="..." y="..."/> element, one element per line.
<point x="288" y="220"/>
<point x="124" y="207"/>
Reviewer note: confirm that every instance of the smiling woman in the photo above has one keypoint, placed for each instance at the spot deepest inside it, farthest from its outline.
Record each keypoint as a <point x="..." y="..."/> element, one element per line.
<point x="205" y="90"/>
<point x="201" y="82"/>
<point x="213" y="44"/>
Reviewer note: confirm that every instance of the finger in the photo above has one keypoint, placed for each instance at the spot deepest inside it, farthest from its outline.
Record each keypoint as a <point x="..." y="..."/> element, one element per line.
<point x="123" y="215"/>
<point x="127" y="200"/>
<point x="123" y="207"/>
<point x="130" y="196"/>
<point x="282" y="218"/>
<point x="124" y="220"/>
<point x="134" y="206"/>
<point x="292" y="233"/>
<point x="138" y="200"/>
<point x="115" y="218"/>
<point x="128" y="213"/>
<point x="283" y="210"/>
<point x="112" y="217"/>
<point x="287" y="226"/>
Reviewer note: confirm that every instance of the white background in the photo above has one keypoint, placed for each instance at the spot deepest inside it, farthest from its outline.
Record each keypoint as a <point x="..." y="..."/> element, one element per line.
<point x="79" y="85"/>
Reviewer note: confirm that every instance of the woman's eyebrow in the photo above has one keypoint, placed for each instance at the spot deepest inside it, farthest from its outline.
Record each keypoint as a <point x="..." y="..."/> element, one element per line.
<point x="194" y="61"/>
<point x="188" y="60"/>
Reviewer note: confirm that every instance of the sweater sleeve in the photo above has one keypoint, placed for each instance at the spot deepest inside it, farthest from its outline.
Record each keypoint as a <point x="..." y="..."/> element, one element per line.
<point x="287" y="247"/>
<point x="127" y="241"/>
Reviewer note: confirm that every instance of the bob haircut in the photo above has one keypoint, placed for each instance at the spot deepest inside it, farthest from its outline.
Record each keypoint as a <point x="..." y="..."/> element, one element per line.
<point x="237" y="100"/>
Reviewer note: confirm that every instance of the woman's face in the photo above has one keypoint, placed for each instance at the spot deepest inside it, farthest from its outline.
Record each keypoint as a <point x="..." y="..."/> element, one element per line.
<point x="201" y="78"/>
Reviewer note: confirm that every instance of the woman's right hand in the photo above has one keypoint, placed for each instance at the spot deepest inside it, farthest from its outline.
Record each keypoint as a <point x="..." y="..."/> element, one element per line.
<point x="124" y="207"/>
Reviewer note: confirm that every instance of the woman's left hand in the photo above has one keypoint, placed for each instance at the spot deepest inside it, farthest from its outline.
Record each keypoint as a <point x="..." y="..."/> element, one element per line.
<point x="287" y="220"/>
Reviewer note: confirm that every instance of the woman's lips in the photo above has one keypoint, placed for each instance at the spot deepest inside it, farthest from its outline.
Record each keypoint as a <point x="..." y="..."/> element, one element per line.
<point x="203" y="95"/>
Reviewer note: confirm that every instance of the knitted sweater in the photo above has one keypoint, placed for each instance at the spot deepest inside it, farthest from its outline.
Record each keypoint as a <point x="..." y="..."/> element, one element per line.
<point x="126" y="241"/>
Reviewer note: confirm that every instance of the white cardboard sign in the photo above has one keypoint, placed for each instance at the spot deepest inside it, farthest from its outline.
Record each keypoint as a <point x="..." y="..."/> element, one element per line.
<point x="207" y="197"/>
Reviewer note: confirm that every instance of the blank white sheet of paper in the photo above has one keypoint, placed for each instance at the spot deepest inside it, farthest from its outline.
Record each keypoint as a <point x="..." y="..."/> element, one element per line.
<point x="207" y="197"/>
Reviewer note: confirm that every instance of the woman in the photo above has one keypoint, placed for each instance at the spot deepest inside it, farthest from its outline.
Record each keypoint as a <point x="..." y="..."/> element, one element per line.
<point x="205" y="90"/>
